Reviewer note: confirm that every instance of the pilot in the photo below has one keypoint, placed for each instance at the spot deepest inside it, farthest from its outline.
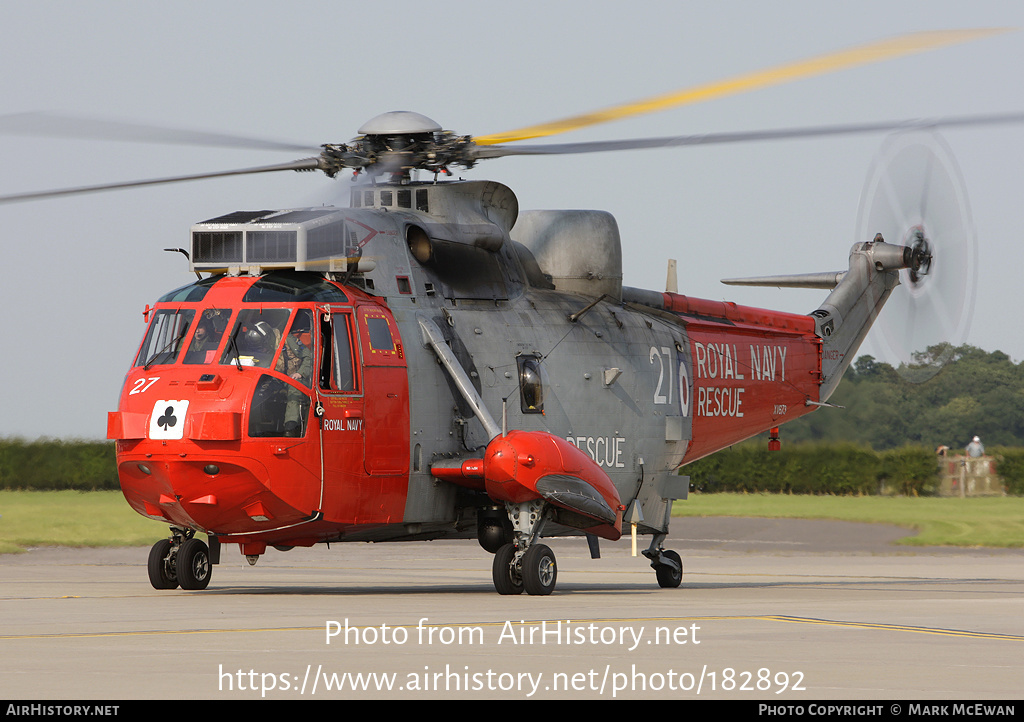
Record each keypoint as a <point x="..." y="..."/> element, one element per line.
<point x="296" y="360"/>
<point x="260" y="343"/>
<point x="204" y="344"/>
<point x="975" y="448"/>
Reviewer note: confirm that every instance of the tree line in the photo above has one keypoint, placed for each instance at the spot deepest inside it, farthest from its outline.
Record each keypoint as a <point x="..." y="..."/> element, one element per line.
<point x="976" y="393"/>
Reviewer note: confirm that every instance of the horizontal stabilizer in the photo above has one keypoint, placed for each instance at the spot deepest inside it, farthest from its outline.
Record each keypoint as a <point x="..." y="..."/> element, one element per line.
<point x="827" y="280"/>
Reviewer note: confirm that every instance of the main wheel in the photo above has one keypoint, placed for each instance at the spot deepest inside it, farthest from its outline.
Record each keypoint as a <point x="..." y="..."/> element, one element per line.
<point x="507" y="579"/>
<point x="669" y="577"/>
<point x="193" y="565"/>
<point x="161" y="573"/>
<point x="539" y="570"/>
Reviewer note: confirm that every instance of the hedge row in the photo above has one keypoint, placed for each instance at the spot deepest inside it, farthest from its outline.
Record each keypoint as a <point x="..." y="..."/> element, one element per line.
<point x="57" y="464"/>
<point x="1010" y="467"/>
<point x="796" y="469"/>
<point x="818" y="469"/>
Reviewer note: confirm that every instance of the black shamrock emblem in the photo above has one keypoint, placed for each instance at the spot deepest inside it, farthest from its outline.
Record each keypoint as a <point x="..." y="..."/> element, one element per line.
<point x="168" y="419"/>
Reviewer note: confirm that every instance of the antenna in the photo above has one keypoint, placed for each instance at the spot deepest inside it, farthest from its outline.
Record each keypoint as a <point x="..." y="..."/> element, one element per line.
<point x="671" y="281"/>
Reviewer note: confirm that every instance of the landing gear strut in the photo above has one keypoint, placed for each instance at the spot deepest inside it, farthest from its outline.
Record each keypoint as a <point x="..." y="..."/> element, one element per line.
<point x="181" y="560"/>
<point x="523" y="564"/>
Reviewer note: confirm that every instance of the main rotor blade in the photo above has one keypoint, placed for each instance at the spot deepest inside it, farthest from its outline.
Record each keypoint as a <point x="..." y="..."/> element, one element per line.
<point x="497" y="151"/>
<point x="57" y="125"/>
<point x="302" y="164"/>
<point x="852" y="57"/>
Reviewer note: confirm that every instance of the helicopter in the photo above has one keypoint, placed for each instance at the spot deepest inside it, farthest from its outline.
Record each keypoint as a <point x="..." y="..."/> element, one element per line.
<point x="430" y="362"/>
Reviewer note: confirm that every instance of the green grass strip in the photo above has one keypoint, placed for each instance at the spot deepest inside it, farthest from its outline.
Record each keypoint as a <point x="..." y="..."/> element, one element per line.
<point x="972" y="522"/>
<point x="72" y="519"/>
<point x="103" y="518"/>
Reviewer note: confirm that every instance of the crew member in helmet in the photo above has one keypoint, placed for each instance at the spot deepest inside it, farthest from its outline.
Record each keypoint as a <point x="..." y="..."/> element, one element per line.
<point x="259" y="344"/>
<point x="975" y="448"/>
<point x="296" y="359"/>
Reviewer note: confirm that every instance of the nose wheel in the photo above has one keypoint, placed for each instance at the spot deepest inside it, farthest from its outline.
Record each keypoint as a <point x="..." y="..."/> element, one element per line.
<point x="163" y="573"/>
<point x="194" y="568"/>
<point x="182" y="561"/>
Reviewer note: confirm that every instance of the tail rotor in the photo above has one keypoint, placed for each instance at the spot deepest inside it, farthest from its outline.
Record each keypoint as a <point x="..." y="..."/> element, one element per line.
<point x="915" y="196"/>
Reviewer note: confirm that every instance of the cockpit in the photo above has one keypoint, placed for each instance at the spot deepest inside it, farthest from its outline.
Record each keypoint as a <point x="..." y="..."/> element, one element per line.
<point x="274" y="327"/>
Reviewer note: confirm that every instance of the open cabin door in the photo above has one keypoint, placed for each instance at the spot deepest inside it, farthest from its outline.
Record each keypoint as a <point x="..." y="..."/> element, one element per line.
<point x="364" y="396"/>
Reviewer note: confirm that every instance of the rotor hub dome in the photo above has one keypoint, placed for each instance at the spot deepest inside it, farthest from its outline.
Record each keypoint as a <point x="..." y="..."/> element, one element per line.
<point x="399" y="122"/>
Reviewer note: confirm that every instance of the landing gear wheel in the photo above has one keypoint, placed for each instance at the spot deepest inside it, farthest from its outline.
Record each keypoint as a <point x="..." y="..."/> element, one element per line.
<point x="539" y="570"/>
<point x="193" y="565"/>
<point x="161" y="571"/>
<point x="506" y="577"/>
<point x="669" y="577"/>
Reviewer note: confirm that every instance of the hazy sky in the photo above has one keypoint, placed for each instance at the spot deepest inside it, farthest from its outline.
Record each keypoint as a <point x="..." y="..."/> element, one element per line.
<point x="78" y="272"/>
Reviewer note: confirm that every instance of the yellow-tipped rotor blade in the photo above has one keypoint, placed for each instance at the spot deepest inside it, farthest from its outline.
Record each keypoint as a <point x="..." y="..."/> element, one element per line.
<point x="852" y="57"/>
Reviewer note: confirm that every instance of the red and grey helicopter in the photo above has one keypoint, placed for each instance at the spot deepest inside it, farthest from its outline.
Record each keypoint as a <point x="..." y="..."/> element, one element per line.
<point x="430" y="362"/>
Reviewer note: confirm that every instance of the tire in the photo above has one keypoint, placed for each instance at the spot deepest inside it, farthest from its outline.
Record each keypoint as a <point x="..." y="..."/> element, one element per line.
<point x="159" y="575"/>
<point x="540" y="572"/>
<point x="506" y="579"/>
<point x="669" y="578"/>
<point x="194" y="568"/>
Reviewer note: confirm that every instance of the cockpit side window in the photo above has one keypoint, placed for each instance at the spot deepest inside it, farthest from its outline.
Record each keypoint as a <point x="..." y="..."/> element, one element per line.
<point x="210" y="328"/>
<point x="337" y="372"/>
<point x="164" y="337"/>
<point x="256" y="337"/>
<point x="344" y="376"/>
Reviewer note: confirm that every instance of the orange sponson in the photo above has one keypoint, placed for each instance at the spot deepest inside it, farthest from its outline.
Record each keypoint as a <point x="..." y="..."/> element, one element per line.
<point x="516" y="462"/>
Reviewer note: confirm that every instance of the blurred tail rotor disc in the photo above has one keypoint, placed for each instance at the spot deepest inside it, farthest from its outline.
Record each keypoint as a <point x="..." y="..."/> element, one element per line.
<point x="915" y="196"/>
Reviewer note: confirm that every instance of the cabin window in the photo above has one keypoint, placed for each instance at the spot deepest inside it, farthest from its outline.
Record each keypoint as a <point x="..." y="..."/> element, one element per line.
<point x="380" y="334"/>
<point x="531" y="385"/>
<point x="164" y="337"/>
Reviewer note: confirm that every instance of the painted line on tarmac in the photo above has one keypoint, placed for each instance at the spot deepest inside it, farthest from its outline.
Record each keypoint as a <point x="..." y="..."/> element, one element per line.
<point x="899" y="628"/>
